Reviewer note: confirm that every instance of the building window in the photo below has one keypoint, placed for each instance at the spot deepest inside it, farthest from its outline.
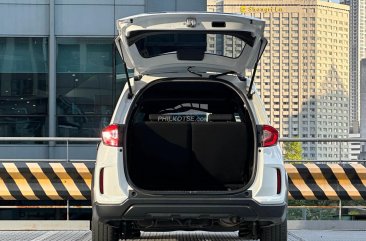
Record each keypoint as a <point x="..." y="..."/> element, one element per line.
<point x="23" y="86"/>
<point x="87" y="90"/>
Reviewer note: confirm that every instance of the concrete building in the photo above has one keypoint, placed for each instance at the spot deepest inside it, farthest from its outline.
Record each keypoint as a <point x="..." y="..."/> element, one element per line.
<point x="354" y="147"/>
<point x="57" y="68"/>
<point x="357" y="52"/>
<point x="303" y="75"/>
<point x="363" y="109"/>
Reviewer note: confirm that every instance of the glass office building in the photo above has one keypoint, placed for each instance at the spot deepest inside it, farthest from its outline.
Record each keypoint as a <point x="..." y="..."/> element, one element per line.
<point x="60" y="73"/>
<point x="24" y="89"/>
<point x="89" y="78"/>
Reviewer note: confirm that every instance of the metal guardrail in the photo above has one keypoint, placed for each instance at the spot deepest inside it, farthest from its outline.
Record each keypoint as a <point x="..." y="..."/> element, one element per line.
<point x="52" y="142"/>
<point x="72" y="181"/>
<point x="64" y="139"/>
<point x="68" y="140"/>
<point x="318" y="188"/>
<point x="95" y="139"/>
<point x="322" y="139"/>
<point x="46" y="179"/>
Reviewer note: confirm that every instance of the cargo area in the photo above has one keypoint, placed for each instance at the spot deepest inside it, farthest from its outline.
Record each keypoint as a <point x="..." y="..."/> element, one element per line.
<point x="189" y="136"/>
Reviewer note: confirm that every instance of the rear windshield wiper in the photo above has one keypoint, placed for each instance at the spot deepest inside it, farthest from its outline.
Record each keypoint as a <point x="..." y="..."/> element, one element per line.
<point x="214" y="76"/>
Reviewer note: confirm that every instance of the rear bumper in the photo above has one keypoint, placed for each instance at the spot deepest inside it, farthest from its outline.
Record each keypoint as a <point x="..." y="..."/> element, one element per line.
<point x="205" y="208"/>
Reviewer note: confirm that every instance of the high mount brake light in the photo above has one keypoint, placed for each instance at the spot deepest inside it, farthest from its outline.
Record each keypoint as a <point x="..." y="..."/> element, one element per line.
<point x="111" y="135"/>
<point x="269" y="136"/>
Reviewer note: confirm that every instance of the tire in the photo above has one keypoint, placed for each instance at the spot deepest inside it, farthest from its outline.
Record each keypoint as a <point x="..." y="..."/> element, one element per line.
<point x="102" y="231"/>
<point x="274" y="233"/>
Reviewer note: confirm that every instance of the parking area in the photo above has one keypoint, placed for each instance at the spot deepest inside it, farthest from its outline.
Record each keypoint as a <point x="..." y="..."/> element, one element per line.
<point x="295" y="235"/>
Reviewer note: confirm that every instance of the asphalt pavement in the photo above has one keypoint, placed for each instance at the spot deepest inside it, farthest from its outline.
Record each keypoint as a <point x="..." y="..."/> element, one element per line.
<point x="293" y="235"/>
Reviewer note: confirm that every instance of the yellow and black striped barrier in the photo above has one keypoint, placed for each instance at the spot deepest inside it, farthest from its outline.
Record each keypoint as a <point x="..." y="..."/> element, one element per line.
<point x="326" y="181"/>
<point x="72" y="181"/>
<point x="45" y="180"/>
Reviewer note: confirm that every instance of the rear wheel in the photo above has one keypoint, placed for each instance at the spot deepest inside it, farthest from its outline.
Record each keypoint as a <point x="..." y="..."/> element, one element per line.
<point x="274" y="233"/>
<point x="104" y="232"/>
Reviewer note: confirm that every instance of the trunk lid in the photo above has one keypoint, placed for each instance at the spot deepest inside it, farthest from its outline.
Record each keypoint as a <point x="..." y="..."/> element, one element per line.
<point x="189" y="41"/>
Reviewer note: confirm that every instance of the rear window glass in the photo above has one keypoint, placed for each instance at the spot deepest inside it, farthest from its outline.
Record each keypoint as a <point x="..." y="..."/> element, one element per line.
<point x="216" y="44"/>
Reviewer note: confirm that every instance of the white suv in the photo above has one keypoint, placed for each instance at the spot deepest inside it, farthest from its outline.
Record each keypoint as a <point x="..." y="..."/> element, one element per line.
<point x="189" y="146"/>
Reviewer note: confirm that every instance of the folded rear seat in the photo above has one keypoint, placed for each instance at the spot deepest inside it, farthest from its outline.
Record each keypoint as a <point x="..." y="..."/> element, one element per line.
<point x="188" y="156"/>
<point x="161" y="151"/>
<point x="221" y="150"/>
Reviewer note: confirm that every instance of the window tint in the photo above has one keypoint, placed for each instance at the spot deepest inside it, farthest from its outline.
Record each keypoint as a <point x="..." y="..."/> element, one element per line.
<point x="217" y="44"/>
<point x="87" y="90"/>
<point x="24" y="86"/>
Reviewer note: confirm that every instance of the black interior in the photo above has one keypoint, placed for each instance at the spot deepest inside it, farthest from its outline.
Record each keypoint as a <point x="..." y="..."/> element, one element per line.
<point x="184" y="156"/>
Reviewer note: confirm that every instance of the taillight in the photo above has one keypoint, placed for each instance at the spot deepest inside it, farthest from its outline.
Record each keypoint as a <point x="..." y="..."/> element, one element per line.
<point x="101" y="181"/>
<point x="110" y="135"/>
<point x="269" y="136"/>
<point x="279" y="183"/>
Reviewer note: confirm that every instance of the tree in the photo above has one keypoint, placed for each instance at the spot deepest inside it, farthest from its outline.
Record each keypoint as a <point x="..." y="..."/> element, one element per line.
<point x="293" y="151"/>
